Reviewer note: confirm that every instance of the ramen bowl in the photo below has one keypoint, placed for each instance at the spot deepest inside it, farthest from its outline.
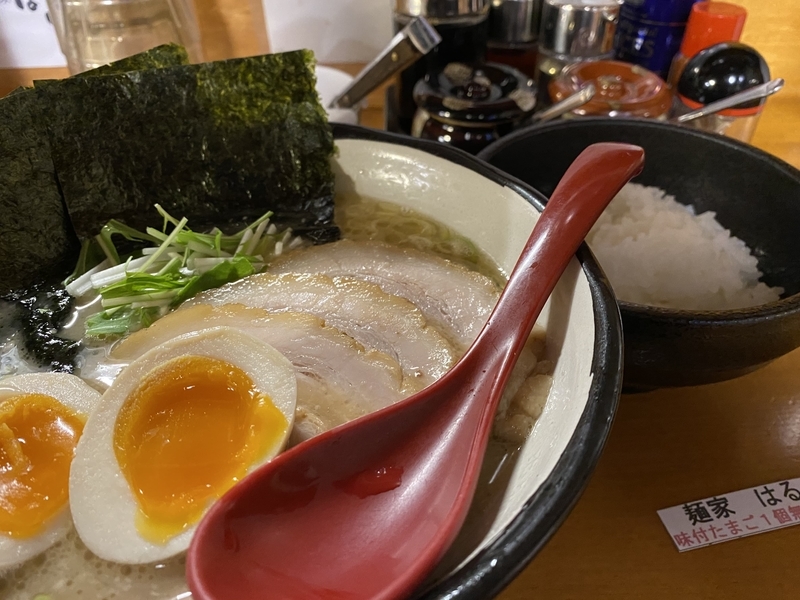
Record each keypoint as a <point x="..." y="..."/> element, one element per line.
<point x="527" y="488"/>
<point x="754" y="195"/>
<point x="542" y="481"/>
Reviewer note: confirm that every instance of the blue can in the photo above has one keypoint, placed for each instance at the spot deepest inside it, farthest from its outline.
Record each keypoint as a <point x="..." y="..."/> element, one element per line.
<point x="649" y="32"/>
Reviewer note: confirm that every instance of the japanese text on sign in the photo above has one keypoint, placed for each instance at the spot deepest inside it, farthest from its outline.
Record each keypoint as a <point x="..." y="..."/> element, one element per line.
<point x="730" y="516"/>
<point x="27" y="37"/>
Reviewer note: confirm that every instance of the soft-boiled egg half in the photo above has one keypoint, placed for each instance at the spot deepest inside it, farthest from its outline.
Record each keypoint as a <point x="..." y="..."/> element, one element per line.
<point x="42" y="416"/>
<point x="178" y="427"/>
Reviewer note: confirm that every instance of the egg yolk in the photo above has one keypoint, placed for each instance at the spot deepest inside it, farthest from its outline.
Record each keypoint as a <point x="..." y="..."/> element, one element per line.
<point x="38" y="436"/>
<point x="189" y="431"/>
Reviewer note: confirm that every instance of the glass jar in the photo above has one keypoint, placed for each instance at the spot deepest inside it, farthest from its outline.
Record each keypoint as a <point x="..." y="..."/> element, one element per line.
<point x="471" y="107"/>
<point x="622" y="90"/>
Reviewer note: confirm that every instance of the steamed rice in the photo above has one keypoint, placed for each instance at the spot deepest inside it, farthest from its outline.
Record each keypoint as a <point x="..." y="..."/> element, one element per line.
<point x="658" y="252"/>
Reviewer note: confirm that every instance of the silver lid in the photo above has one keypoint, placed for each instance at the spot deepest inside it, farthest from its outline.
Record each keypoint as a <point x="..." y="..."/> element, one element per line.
<point x="514" y="21"/>
<point x="581" y="28"/>
<point x="441" y="9"/>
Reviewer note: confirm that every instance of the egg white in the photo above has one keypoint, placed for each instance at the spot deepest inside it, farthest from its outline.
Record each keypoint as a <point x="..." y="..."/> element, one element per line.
<point x="74" y="394"/>
<point x="103" y="506"/>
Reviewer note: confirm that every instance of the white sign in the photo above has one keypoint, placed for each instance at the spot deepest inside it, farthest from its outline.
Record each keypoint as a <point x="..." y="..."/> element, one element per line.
<point x="27" y="37"/>
<point x="729" y="516"/>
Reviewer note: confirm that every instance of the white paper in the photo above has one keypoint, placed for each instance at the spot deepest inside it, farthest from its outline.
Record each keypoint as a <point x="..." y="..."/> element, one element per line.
<point x="730" y="516"/>
<point x="27" y="38"/>
<point x="336" y="30"/>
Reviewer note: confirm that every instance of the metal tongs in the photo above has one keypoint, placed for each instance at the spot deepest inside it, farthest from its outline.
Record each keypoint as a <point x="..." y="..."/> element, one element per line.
<point x="413" y="42"/>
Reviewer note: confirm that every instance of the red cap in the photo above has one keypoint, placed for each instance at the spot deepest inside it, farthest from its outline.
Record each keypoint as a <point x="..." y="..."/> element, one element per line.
<point x="712" y="23"/>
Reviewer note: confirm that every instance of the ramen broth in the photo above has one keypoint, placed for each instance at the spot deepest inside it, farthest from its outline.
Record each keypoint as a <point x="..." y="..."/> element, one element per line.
<point x="70" y="571"/>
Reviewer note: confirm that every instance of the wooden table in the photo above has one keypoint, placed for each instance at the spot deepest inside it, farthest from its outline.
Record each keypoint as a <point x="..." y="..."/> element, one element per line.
<point x="667" y="447"/>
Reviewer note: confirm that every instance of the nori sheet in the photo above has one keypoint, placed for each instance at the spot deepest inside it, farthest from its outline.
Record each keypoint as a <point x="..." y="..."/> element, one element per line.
<point x="36" y="238"/>
<point x="217" y="142"/>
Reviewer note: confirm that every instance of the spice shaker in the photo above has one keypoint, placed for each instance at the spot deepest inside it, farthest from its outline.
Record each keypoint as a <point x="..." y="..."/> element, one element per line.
<point x="621" y="90"/>
<point x="716" y="73"/>
<point x="514" y="32"/>
<point x="650" y="32"/>
<point x="571" y="32"/>
<point x="463" y="26"/>
<point x="709" y="23"/>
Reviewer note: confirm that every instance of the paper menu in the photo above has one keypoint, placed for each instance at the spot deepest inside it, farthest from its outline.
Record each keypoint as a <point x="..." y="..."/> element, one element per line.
<point x="338" y="31"/>
<point x="27" y="37"/>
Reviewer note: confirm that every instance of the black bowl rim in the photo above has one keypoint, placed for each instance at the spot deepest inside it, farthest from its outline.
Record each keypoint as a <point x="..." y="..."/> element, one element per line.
<point x="496" y="565"/>
<point x="718" y="318"/>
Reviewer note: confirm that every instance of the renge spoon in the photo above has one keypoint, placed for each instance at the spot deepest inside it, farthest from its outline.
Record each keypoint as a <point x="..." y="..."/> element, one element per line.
<point x="366" y="510"/>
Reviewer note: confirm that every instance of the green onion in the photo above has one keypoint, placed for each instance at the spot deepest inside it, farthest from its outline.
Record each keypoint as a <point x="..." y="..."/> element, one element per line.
<point x="176" y="264"/>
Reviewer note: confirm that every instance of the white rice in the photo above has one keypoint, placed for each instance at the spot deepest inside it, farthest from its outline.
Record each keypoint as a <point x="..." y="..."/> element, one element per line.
<point x="658" y="252"/>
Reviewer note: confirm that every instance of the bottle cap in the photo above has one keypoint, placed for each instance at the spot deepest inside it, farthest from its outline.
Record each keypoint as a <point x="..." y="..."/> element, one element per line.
<point x="514" y="21"/>
<point x="711" y="23"/>
<point x="721" y="71"/>
<point x="435" y="10"/>
<point x="582" y="28"/>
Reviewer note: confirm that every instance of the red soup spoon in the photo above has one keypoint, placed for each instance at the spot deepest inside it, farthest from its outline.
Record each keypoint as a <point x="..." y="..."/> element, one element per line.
<point x="367" y="509"/>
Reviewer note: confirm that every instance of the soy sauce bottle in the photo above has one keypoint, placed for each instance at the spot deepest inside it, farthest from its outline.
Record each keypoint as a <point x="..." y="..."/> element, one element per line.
<point x="464" y="27"/>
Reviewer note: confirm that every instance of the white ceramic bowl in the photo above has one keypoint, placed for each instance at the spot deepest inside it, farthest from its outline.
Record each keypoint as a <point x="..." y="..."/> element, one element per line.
<point x="583" y="338"/>
<point x="330" y="82"/>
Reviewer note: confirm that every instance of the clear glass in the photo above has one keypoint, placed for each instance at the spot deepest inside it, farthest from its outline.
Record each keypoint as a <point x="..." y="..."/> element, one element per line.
<point x="96" y="32"/>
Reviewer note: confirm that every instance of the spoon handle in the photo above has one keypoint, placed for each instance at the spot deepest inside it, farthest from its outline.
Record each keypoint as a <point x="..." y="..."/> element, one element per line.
<point x="574" y="206"/>
<point x="568" y="104"/>
<point x="753" y="93"/>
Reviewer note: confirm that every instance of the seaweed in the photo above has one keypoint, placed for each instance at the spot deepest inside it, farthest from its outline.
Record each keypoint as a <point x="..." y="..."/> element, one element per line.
<point x="36" y="239"/>
<point x="41" y="310"/>
<point x="220" y="142"/>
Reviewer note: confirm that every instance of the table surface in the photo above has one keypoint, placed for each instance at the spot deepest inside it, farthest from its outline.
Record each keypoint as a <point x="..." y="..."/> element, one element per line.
<point x="666" y="447"/>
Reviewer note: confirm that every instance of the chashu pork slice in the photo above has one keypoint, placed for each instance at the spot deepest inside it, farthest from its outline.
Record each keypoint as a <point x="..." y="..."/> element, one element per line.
<point x="362" y="310"/>
<point x="452" y="297"/>
<point x="456" y="299"/>
<point x="338" y="380"/>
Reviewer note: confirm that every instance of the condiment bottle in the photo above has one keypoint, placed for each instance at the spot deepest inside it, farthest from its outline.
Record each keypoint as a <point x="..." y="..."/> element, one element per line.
<point x="513" y="33"/>
<point x="716" y="73"/>
<point x="571" y="32"/>
<point x="709" y="23"/>
<point x="463" y="26"/>
<point x="650" y="32"/>
<point x="470" y="108"/>
<point x="621" y="90"/>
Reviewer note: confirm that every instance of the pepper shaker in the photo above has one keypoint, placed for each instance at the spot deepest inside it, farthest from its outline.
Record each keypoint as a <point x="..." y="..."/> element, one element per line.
<point x="514" y="33"/>
<point x="463" y="26"/>
<point x="571" y="32"/>
<point x="650" y="32"/>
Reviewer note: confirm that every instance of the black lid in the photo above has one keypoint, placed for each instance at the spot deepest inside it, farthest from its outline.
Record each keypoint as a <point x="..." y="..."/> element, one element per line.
<point x="485" y="93"/>
<point x="722" y="70"/>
